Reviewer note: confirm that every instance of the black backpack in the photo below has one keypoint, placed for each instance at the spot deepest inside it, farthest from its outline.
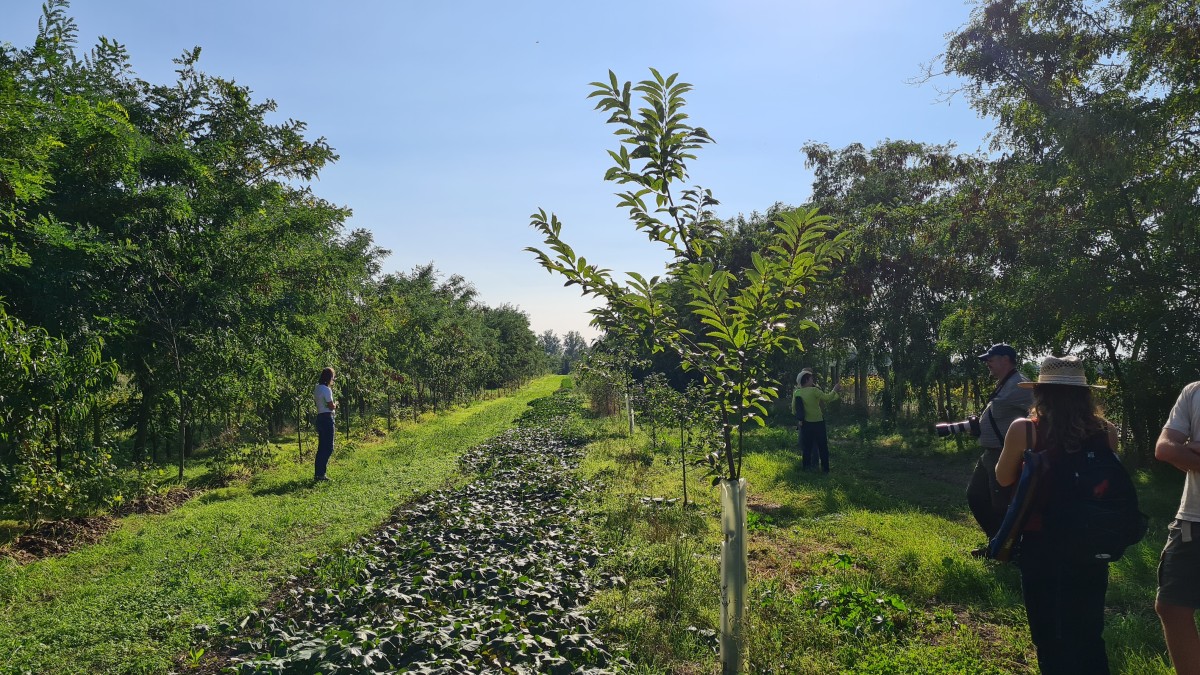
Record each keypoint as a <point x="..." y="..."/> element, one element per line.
<point x="1093" y="509"/>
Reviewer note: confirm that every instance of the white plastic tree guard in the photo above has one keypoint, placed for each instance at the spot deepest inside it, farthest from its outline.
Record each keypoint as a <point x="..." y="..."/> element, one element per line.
<point x="733" y="574"/>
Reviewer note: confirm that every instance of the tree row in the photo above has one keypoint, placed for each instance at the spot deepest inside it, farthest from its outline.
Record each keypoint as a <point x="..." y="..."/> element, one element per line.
<point x="167" y="275"/>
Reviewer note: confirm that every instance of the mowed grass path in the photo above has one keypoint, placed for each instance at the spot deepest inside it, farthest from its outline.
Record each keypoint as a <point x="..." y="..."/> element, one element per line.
<point x="130" y="603"/>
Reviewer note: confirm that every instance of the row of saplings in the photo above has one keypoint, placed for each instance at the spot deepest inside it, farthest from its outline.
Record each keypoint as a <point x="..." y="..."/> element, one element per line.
<point x="489" y="577"/>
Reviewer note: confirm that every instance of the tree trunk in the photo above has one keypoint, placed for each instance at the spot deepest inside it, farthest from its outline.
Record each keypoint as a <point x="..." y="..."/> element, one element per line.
<point x="966" y="388"/>
<point x="1132" y="413"/>
<point x="860" y="388"/>
<point x="183" y="434"/>
<point x="683" y="460"/>
<point x="299" y="427"/>
<point x="96" y="426"/>
<point x="58" y="443"/>
<point x="943" y="399"/>
<point x="142" y="424"/>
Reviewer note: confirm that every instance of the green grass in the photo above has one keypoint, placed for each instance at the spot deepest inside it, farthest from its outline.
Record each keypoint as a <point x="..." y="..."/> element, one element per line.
<point x="132" y="603"/>
<point x="888" y="528"/>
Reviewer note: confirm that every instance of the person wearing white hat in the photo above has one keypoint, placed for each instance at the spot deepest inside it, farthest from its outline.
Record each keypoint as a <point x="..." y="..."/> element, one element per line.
<point x="1179" y="565"/>
<point x="1064" y="599"/>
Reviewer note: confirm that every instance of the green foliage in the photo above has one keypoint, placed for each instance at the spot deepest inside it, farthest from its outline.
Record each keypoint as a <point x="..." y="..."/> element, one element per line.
<point x="741" y="323"/>
<point x="605" y="376"/>
<point x="845" y="604"/>
<point x="759" y="522"/>
<point x="49" y="473"/>
<point x="1093" y="205"/>
<point x="234" y="454"/>
<point x="403" y="600"/>
<point x="169" y="273"/>
<point x="886" y="535"/>
<point x="655" y="402"/>
<point x="88" y="483"/>
<point x="155" y="579"/>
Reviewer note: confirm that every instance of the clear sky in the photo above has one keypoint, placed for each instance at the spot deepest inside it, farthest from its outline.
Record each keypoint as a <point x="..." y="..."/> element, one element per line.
<point x="455" y="120"/>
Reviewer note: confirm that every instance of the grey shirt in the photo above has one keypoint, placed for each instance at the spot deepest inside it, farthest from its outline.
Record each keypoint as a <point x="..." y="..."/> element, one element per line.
<point x="1185" y="418"/>
<point x="1009" y="403"/>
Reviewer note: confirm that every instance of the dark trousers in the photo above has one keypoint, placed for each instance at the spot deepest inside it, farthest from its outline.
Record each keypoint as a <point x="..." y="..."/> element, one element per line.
<point x="1065" y="606"/>
<point x="988" y="501"/>
<point x="324" y="443"/>
<point x="814" y="440"/>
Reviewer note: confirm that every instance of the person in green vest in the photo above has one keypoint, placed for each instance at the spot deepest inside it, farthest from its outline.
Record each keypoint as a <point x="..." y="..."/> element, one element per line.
<point x="806" y="405"/>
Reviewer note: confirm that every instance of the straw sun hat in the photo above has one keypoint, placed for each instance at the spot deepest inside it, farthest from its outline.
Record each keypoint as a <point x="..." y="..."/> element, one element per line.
<point x="1061" y="370"/>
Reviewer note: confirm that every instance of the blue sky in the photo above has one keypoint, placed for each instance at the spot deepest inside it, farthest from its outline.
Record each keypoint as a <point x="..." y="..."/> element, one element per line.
<point x="456" y="120"/>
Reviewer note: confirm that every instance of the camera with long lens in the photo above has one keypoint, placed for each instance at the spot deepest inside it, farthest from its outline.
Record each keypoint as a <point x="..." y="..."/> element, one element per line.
<point x="967" y="426"/>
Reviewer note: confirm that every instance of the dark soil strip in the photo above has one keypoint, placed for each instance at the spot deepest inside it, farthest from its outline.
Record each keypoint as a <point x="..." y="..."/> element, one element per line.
<point x="489" y="578"/>
<point x="60" y="537"/>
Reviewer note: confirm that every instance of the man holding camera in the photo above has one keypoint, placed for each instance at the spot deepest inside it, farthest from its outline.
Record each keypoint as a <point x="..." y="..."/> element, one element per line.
<point x="988" y="501"/>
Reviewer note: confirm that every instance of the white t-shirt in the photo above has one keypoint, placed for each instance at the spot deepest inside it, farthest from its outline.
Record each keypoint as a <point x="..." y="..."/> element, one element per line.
<point x="323" y="397"/>
<point x="1185" y="418"/>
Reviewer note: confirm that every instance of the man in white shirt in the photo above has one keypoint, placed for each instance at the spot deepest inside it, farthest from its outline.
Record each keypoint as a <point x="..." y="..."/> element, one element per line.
<point x="1179" y="566"/>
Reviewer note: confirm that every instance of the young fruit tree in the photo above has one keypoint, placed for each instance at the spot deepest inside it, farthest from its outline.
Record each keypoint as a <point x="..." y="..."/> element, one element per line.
<point x="735" y="320"/>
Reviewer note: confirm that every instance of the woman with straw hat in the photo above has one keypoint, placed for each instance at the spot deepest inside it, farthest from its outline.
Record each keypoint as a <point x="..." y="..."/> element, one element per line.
<point x="1064" y="599"/>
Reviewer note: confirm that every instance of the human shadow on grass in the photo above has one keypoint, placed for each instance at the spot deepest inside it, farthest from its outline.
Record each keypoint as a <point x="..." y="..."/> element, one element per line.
<point x="963" y="581"/>
<point x="874" y="478"/>
<point x="785" y="514"/>
<point x="283" y="488"/>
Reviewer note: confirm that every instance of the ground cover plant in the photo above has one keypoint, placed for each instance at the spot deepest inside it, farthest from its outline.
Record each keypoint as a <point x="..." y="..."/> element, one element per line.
<point x="131" y="603"/>
<point x="865" y="570"/>
<point x="489" y="577"/>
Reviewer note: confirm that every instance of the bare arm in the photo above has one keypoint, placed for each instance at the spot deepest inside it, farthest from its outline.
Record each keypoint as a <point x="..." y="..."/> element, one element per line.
<point x="1174" y="448"/>
<point x="1008" y="468"/>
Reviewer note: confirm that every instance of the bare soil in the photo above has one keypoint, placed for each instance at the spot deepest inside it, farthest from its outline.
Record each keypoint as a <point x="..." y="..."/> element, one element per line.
<point x="59" y="537"/>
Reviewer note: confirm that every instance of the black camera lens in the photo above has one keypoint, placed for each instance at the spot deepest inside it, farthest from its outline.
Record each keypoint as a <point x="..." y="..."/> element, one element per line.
<point x="966" y="426"/>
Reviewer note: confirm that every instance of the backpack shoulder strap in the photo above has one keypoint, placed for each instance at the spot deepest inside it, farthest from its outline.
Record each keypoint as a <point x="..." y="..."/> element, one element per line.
<point x="1029" y="435"/>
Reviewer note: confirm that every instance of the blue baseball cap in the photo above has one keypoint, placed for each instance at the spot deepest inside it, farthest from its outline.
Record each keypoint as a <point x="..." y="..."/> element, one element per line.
<point x="999" y="350"/>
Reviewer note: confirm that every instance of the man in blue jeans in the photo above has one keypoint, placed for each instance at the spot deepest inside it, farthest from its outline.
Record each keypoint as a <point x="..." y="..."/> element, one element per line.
<point x="814" y="440"/>
<point x="323" y="397"/>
